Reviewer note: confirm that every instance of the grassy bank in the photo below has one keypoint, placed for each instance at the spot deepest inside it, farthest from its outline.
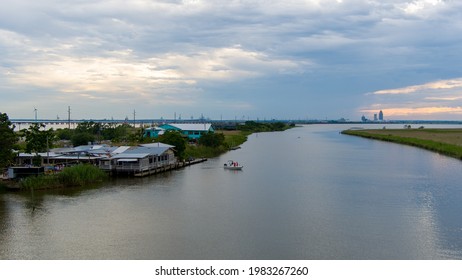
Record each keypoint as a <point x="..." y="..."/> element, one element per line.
<point x="232" y="139"/>
<point x="79" y="175"/>
<point x="443" y="141"/>
<point x="235" y="138"/>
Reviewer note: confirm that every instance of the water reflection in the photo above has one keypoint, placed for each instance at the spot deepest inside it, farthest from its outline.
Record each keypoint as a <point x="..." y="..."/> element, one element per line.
<point x="4" y="218"/>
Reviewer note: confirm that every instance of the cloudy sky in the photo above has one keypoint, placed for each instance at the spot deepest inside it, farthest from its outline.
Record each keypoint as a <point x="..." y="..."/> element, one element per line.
<point x="292" y="59"/>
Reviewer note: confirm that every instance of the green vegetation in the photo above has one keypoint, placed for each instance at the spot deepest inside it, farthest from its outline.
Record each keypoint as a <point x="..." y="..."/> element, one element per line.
<point x="38" y="139"/>
<point x="82" y="138"/>
<point x="7" y="141"/>
<point x="236" y="138"/>
<point x="209" y="145"/>
<point x="91" y="131"/>
<point x="78" y="175"/>
<point x="174" y="138"/>
<point x="40" y="182"/>
<point x="212" y="140"/>
<point x="216" y="145"/>
<point x="443" y="141"/>
<point x="253" y="126"/>
<point x="200" y="151"/>
<point x="213" y="145"/>
<point x="2" y="187"/>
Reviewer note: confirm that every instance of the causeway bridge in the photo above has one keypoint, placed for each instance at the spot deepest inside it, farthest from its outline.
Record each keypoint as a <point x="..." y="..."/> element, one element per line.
<point x="73" y="123"/>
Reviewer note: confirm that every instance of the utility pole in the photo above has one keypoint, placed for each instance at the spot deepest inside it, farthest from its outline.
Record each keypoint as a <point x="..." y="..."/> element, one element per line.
<point x="48" y="152"/>
<point x="69" y="116"/>
<point x="134" y="118"/>
<point x="35" y="111"/>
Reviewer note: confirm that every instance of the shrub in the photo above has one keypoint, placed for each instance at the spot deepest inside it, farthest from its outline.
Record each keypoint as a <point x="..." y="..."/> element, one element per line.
<point x="213" y="140"/>
<point x="82" y="138"/>
<point x="40" y="182"/>
<point x="80" y="175"/>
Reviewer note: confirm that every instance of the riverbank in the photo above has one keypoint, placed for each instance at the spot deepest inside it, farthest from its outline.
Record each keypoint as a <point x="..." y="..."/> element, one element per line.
<point x="195" y="153"/>
<point x="234" y="138"/>
<point x="75" y="176"/>
<point x="444" y="141"/>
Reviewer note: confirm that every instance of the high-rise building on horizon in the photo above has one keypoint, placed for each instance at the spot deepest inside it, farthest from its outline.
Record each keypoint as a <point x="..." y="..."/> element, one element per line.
<point x="380" y="115"/>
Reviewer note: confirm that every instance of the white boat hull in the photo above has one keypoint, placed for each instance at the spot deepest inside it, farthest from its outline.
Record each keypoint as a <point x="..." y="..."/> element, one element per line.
<point x="233" y="167"/>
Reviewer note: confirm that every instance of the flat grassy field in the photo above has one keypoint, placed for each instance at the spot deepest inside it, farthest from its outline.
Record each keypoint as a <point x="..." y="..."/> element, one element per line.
<point x="444" y="141"/>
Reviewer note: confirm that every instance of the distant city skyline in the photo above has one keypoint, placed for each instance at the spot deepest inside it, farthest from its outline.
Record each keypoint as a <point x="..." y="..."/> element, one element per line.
<point x="310" y="59"/>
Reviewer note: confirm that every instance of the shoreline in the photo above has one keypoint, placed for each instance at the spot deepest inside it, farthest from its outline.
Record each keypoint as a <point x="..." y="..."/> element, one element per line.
<point x="444" y="141"/>
<point x="233" y="140"/>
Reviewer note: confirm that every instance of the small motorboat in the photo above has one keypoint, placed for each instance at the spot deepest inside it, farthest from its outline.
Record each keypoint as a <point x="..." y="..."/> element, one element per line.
<point x="232" y="165"/>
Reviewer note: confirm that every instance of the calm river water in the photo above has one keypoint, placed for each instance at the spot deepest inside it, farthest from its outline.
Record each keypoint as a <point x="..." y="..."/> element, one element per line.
<point x="306" y="193"/>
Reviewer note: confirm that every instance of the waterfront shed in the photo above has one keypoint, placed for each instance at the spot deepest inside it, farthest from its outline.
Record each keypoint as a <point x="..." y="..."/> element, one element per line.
<point x="140" y="159"/>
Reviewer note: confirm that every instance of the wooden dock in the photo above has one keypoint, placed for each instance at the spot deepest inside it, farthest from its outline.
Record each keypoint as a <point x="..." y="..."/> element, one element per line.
<point x="169" y="167"/>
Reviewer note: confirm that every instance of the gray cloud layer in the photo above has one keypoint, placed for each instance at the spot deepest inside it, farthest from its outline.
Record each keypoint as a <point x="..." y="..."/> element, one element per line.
<point x="261" y="59"/>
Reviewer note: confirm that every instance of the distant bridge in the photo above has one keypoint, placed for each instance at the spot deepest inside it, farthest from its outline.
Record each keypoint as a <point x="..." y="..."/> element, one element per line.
<point x="72" y="123"/>
<point x="23" y="123"/>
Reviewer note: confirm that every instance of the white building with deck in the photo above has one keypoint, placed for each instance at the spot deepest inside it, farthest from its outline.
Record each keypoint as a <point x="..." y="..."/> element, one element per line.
<point x="139" y="159"/>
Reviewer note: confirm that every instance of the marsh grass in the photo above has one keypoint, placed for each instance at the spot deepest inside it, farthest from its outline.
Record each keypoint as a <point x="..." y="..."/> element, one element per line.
<point x="40" y="182"/>
<point x="199" y="151"/>
<point x="419" y="139"/>
<point x="236" y="139"/>
<point x="78" y="175"/>
<point x="232" y="139"/>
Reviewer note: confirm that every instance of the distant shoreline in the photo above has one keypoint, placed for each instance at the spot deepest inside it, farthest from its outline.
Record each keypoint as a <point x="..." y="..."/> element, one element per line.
<point x="446" y="141"/>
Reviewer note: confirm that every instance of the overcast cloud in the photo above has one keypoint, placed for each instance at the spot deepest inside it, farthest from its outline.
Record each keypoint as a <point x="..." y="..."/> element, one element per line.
<point x="231" y="59"/>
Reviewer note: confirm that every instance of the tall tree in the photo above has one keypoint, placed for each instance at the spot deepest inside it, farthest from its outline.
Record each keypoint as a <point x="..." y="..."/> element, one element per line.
<point x="38" y="139"/>
<point x="7" y="139"/>
<point x="82" y="138"/>
<point x="174" y="138"/>
<point x="90" y="127"/>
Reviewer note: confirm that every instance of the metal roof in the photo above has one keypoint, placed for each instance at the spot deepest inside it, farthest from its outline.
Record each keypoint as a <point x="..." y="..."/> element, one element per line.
<point x="142" y="152"/>
<point x="157" y="145"/>
<point x="127" y="160"/>
<point x="192" y="126"/>
<point x="130" y="156"/>
<point x="103" y="152"/>
<point x="120" y="149"/>
<point x="86" y="148"/>
<point x="154" y="128"/>
<point x="147" y="150"/>
<point x="102" y="149"/>
<point x="50" y="154"/>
